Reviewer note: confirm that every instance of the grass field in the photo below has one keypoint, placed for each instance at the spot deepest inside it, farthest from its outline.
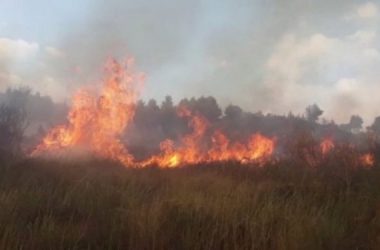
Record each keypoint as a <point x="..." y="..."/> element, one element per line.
<point x="100" y="205"/>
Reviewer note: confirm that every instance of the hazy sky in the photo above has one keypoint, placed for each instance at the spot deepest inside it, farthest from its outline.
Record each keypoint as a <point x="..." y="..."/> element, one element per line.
<point x="270" y="55"/>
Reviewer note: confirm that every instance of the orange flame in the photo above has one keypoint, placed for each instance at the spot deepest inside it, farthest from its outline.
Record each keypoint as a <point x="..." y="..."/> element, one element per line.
<point x="258" y="149"/>
<point x="326" y="146"/>
<point x="367" y="160"/>
<point x="97" y="122"/>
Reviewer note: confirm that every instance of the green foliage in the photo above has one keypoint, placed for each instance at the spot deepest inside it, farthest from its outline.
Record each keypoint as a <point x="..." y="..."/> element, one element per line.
<point x="99" y="205"/>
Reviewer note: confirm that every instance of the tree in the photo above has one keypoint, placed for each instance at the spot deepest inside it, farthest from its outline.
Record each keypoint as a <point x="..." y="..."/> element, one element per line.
<point x="313" y="112"/>
<point x="355" y="124"/>
<point x="207" y="106"/>
<point x="375" y="127"/>
<point x="233" y="112"/>
<point x="13" y="122"/>
<point x="17" y="98"/>
<point x="167" y="104"/>
<point x="169" y="120"/>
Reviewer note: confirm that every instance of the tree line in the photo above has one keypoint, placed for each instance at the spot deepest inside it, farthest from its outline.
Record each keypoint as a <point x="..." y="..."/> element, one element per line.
<point x="26" y="116"/>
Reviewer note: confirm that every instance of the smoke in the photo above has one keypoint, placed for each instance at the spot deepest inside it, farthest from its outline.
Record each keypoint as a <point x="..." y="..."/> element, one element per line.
<point x="156" y="124"/>
<point x="152" y="32"/>
<point x="273" y="56"/>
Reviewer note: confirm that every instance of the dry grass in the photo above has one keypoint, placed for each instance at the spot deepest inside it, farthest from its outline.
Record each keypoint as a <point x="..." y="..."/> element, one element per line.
<point x="99" y="205"/>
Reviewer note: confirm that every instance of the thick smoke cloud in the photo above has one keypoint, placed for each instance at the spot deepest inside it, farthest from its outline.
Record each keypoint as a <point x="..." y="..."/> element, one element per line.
<point x="273" y="56"/>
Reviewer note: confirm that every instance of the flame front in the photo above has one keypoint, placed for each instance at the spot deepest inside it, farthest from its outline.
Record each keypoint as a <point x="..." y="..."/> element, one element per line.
<point x="193" y="149"/>
<point x="97" y="121"/>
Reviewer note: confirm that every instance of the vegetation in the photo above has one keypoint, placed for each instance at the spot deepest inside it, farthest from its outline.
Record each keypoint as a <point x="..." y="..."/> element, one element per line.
<point x="95" y="204"/>
<point x="306" y="200"/>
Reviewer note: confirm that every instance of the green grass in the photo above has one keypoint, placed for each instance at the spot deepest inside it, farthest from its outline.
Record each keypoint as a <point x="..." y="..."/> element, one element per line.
<point x="99" y="205"/>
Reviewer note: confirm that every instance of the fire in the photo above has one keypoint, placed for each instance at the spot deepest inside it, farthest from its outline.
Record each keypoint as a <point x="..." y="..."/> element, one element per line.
<point x="193" y="150"/>
<point x="367" y="160"/>
<point x="260" y="147"/>
<point x="326" y="146"/>
<point x="97" y="121"/>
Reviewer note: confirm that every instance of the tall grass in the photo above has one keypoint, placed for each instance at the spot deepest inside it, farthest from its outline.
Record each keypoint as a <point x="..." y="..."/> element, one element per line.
<point x="100" y="205"/>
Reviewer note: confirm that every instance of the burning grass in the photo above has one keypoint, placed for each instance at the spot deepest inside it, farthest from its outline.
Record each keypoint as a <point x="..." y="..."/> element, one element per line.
<point x="97" y="204"/>
<point x="207" y="191"/>
<point x="97" y="121"/>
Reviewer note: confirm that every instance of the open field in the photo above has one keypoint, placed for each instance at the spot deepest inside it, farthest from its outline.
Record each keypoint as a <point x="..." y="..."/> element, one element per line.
<point x="99" y="205"/>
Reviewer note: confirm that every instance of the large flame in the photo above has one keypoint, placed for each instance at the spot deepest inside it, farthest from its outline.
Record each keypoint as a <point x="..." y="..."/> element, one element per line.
<point x="193" y="149"/>
<point x="97" y="121"/>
